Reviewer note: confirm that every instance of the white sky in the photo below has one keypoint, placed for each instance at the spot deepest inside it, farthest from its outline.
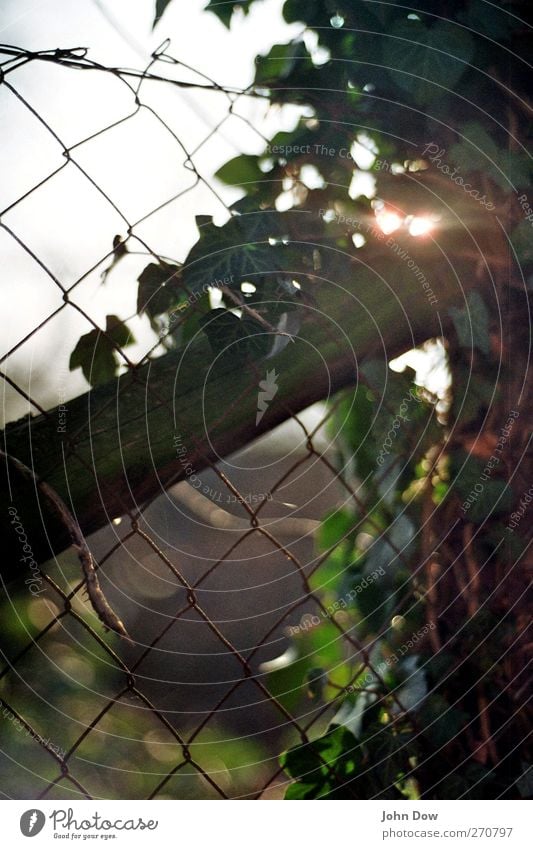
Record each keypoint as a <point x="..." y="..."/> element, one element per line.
<point x="66" y="222"/>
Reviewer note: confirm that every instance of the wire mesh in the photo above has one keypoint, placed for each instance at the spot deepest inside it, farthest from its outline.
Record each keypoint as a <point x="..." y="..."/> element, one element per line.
<point x="132" y="713"/>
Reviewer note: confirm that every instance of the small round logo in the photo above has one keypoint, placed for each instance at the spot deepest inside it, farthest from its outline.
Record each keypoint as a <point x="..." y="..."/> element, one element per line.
<point x="32" y="822"/>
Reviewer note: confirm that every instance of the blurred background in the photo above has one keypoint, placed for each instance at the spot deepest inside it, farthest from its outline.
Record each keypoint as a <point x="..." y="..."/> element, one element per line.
<point x="69" y="225"/>
<point x="236" y="657"/>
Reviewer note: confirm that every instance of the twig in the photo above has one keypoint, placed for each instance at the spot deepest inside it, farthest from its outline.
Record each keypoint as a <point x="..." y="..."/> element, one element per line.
<point x="100" y="605"/>
<point x="253" y="313"/>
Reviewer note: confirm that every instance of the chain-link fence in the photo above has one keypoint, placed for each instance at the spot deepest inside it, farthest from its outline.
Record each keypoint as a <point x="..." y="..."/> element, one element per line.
<point x="192" y="700"/>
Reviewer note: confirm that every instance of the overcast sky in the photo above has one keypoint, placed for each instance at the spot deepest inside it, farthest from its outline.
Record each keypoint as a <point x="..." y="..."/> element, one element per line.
<point x="66" y="222"/>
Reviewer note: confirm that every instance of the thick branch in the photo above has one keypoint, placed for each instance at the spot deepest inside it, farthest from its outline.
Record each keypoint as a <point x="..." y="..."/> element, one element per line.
<point x="119" y="448"/>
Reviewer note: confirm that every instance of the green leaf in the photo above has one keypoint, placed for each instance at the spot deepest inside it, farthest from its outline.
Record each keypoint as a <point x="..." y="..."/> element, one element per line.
<point x="191" y="322"/>
<point x="222" y="328"/>
<point x="278" y="63"/>
<point x="476" y="151"/>
<point x="241" y="170"/>
<point x="156" y="294"/>
<point x="420" y="59"/>
<point x="246" y="246"/>
<point x="303" y="762"/>
<point x="300" y="790"/>
<point x="337" y="749"/>
<point x="160" y="7"/>
<point x="316" y="645"/>
<point x="118" y="332"/>
<point x="335" y="526"/>
<point x="354" y="419"/>
<point x="224" y="9"/>
<point x="472" y="323"/>
<point x="97" y="366"/>
<point x="330" y="572"/>
<point x="301" y="11"/>
<point x="95" y="353"/>
<point x="232" y="337"/>
<point x="258" y="338"/>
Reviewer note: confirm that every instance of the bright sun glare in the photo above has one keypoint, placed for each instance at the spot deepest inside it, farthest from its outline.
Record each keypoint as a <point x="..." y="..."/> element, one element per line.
<point x="388" y="221"/>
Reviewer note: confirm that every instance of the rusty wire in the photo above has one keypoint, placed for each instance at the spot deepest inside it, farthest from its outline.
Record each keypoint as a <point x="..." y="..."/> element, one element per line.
<point x="131" y="673"/>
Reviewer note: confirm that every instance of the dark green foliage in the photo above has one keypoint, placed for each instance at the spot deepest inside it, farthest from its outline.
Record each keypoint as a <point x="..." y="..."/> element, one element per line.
<point x="322" y="766"/>
<point x="224" y="9"/>
<point x="406" y="725"/>
<point x="157" y="289"/>
<point x="160" y="6"/>
<point x="251" y="243"/>
<point x="233" y="338"/>
<point x="96" y="352"/>
<point x="427" y="61"/>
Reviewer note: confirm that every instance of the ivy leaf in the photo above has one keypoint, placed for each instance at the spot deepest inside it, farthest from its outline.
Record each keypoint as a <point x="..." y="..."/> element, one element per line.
<point x="478" y="152"/>
<point x="97" y="364"/>
<point x="472" y="323"/>
<point x="246" y="246"/>
<point x="240" y="171"/>
<point x="223" y="330"/>
<point x="95" y="353"/>
<point x="279" y="62"/>
<point x="314" y="645"/>
<point x="421" y="59"/>
<point x="313" y="761"/>
<point x="160" y="7"/>
<point x="355" y="417"/>
<point x="232" y="337"/>
<point x="191" y="324"/>
<point x="322" y="764"/>
<point x="336" y="526"/>
<point x="301" y="11"/>
<point x="117" y="331"/>
<point x="155" y="296"/>
<point x="258" y="338"/>
<point x="224" y="10"/>
<point x="300" y="790"/>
